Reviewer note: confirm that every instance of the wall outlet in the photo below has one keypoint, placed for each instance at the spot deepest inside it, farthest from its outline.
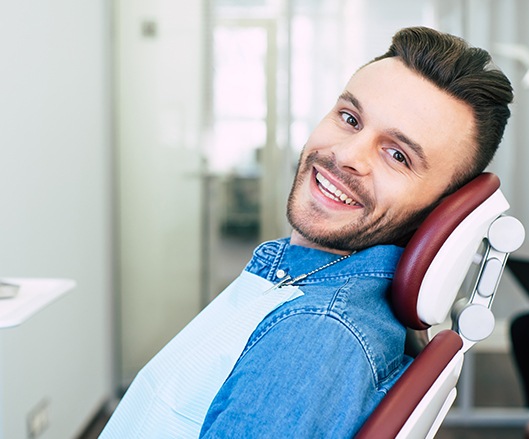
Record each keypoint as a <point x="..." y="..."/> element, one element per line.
<point x="38" y="419"/>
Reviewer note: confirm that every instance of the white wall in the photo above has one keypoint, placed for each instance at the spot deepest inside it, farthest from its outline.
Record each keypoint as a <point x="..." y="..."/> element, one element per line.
<point x="159" y="102"/>
<point x="55" y="180"/>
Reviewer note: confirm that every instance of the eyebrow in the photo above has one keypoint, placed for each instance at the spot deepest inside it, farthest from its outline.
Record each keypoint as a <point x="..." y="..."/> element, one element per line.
<point x="348" y="97"/>
<point x="414" y="146"/>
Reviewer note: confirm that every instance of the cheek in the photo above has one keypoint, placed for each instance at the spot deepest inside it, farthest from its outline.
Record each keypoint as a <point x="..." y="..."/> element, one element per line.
<point x="314" y="143"/>
<point x="322" y="136"/>
<point x="390" y="192"/>
<point x="398" y="195"/>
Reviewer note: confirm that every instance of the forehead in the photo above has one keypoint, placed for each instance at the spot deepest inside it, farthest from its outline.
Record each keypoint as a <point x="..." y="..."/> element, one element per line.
<point x="392" y="97"/>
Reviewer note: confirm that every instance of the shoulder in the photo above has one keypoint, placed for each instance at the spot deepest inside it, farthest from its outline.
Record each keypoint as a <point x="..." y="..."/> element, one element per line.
<point x="293" y="380"/>
<point x="343" y="323"/>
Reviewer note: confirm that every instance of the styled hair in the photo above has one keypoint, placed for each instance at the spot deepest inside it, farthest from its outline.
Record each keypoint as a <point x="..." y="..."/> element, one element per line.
<point x="466" y="73"/>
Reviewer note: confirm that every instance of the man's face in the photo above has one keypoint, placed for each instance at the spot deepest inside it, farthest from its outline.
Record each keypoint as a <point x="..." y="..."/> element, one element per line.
<point x="376" y="163"/>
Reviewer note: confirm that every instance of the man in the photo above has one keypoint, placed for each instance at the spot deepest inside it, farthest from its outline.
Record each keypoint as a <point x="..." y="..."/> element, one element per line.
<point x="410" y="127"/>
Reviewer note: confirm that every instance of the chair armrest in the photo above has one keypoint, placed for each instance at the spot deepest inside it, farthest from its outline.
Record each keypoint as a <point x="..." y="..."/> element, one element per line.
<point x="397" y="406"/>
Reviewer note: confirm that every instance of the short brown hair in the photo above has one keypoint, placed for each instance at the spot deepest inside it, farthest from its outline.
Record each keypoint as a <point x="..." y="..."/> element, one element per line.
<point x="466" y="73"/>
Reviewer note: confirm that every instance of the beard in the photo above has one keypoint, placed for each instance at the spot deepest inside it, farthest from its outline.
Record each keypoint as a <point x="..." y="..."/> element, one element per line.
<point x="366" y="231"/>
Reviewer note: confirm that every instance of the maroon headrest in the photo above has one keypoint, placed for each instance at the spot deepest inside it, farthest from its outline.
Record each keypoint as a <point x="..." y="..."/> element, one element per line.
<point x="428" y="239"/>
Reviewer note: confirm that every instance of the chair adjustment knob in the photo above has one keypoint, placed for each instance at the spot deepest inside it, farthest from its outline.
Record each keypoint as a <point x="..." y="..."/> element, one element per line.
<point x="506" y="234"/>
<point x="475" y="322"/>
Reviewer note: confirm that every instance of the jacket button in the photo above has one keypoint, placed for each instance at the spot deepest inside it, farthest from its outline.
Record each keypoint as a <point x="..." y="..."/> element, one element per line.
<point x="281" y="274"/>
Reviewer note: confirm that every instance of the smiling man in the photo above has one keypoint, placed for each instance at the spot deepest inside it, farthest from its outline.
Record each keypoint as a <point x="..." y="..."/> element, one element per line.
<point x="387" y="151"/>
<point x="304" y="343"/>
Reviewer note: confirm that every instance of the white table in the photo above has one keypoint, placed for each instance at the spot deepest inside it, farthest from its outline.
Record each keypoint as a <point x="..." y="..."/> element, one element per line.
<point x="33" y="295"/>
<point x="37" y="362"/>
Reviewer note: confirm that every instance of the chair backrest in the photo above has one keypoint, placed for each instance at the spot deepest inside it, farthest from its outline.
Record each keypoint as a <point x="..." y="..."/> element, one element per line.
<point x="465" y="233"/>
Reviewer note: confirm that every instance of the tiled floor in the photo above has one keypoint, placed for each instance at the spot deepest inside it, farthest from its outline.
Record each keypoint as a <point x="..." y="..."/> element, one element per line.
<point x="95" y="427"/>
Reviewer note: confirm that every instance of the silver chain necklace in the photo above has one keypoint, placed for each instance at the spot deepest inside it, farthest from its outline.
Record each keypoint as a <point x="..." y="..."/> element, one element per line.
<point x="288" y="280"/>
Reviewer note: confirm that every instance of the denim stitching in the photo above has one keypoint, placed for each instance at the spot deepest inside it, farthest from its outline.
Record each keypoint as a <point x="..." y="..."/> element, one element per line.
<point x="352" y="327"/>
<point x="315" y="280"/>
<point x="391" y="367"/>
<point x="311" y="310"/>
<point x="277" y="260"/>
<point x="268" y="251"/>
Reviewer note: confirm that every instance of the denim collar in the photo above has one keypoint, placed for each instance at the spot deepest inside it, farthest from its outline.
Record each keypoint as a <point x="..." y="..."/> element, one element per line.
<point x="294" y="260"/>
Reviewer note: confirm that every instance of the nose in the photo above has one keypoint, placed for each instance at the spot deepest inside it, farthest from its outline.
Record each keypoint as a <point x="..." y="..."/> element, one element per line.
<point x="356" y="153"/>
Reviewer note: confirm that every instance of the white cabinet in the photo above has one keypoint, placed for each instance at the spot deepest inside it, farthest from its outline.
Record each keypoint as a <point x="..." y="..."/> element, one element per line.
<point x="38" y="371"/>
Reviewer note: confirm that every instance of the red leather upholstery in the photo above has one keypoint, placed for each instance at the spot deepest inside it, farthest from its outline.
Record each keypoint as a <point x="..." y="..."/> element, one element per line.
<point x="428" y="239"/>
<point x="396" y="407"/>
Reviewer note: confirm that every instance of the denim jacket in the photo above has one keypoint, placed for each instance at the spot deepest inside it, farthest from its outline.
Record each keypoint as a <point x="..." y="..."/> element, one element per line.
<point x="305" y="361"/>
<point x="317" y="366"/>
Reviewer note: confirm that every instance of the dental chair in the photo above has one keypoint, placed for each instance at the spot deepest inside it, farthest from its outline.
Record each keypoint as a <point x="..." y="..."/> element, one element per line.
<point x="451" y="267"/>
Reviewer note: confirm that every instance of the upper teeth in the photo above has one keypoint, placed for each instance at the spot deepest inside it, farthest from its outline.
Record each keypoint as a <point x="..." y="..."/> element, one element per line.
<point x="332" y="191"/>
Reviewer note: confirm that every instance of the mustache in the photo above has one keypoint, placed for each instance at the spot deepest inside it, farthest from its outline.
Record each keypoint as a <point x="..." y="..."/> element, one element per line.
<point x="351" y="182"/>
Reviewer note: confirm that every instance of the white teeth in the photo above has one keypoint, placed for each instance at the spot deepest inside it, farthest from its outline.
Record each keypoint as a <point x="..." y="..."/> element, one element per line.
<point x="332" y="191"/>
<point x="331" y="196"/>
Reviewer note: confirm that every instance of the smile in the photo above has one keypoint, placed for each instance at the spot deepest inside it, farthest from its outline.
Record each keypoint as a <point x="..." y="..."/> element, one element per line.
<point x="331" y="191"/>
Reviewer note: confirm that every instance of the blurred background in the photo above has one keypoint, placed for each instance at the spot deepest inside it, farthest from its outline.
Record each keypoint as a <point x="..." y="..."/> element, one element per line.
<point x="147" y="146"/>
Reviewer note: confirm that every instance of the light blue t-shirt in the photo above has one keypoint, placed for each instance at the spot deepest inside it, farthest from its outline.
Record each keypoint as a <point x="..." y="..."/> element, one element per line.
<point x="314" y="365"/>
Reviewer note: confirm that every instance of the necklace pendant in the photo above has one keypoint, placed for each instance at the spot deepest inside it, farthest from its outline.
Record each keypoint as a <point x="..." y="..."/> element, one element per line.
<point x="285" y="281"/>
<point x="288" y="280"/>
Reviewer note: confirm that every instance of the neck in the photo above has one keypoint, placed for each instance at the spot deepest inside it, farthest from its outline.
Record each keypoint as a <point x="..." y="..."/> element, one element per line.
<point x="297" y="239"/>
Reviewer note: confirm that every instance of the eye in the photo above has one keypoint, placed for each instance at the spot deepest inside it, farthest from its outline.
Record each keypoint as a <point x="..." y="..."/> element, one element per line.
<point x="349" y="119"/>
<point x="398" y="156"/>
